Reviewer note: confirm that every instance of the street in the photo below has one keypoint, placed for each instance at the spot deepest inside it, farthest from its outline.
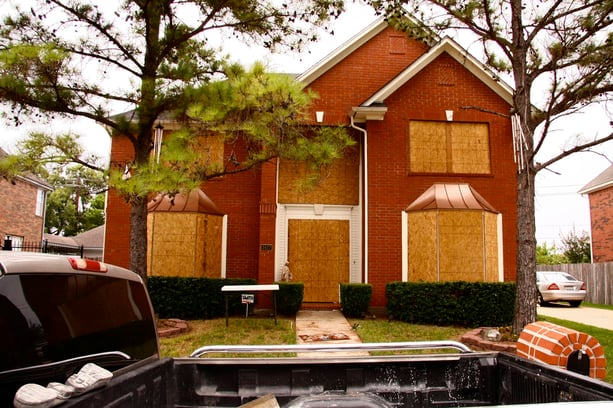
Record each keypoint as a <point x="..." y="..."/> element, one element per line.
<point x="586" y="315"/>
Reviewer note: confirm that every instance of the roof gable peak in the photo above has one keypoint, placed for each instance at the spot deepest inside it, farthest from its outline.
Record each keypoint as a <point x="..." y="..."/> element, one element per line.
<point x="361" y="38"/>
<point x="449" y="46"/>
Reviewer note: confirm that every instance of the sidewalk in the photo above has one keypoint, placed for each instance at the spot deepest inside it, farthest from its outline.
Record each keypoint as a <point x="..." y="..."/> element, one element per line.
<point x="586" y="315"/>
<point x="325" y="326"/>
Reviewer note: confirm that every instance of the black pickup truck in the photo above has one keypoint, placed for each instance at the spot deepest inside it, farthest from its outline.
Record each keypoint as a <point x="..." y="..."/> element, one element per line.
<point x="58" y="313"/>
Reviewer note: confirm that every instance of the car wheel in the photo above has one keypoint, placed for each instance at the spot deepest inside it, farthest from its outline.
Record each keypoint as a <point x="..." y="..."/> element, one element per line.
<point x="541" y="301"/>
<point x="574" y="303"/>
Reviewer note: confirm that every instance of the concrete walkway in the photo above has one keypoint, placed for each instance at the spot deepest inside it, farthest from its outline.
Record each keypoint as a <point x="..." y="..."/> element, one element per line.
<point x="586" y="315"/>
<point x="314" y="326"/>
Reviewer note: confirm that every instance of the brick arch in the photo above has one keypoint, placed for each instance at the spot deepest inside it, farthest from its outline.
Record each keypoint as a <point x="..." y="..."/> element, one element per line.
<point x="552" y="344"/>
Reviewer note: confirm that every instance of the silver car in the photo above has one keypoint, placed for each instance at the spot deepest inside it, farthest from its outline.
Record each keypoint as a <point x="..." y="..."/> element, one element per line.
<point x="559" y="286"/>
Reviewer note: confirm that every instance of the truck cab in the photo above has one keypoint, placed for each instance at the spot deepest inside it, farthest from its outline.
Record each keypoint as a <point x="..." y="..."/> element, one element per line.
<point x="58" y="313"/>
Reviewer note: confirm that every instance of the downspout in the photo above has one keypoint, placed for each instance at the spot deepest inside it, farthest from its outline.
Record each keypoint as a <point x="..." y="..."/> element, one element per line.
<point x="365" y="133"/>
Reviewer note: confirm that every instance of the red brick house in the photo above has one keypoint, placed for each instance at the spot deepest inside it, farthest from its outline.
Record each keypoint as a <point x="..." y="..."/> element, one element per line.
<point x="600" y="195"/>
<point x="428" y="193"/>
<point x="22" y="209"/>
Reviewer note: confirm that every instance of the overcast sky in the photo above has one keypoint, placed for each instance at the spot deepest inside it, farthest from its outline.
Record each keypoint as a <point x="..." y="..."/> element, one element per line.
<point x="559" y="209"/>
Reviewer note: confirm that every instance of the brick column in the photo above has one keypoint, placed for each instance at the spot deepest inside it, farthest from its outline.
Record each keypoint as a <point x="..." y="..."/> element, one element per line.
<point x="268" y="214"/>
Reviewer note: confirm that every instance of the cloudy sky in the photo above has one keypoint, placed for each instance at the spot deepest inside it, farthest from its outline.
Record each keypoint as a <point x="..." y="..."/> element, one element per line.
<point x="559" y="209"/>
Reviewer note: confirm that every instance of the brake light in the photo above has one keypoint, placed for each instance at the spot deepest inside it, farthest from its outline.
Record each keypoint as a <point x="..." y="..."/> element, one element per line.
<point x="81" y="264"/>
<point x="583" y="287"/>
<point x="553" y="286"/>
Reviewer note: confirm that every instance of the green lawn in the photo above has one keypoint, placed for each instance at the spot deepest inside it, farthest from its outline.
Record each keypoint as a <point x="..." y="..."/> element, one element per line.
<point x="264" y="331"/>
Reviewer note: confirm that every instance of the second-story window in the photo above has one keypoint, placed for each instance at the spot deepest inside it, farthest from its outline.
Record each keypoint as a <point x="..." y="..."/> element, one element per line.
<point x="40" y="202"/>
<point x="449" y="147"/>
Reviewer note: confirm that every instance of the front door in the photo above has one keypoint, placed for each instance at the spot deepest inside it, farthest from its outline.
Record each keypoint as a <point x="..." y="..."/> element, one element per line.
<point x="319" y="257"/>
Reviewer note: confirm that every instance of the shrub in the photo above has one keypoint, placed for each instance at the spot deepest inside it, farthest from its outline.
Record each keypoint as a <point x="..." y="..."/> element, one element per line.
<point x="355" y="299"/>
<point x="469" y="304"/>
<point x="193" y="298"/>
<point x="289" y="297"/>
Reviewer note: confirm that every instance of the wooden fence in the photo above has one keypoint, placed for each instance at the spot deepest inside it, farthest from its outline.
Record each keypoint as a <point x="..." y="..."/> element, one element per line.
<point x="598" y="278"/>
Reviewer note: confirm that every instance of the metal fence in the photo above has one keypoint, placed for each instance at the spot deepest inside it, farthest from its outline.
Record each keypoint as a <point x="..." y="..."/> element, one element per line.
<point x="598" y="278"/>
<point x="45" y="246"/>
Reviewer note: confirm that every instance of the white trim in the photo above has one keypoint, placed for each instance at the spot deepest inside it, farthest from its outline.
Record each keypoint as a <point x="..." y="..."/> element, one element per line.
<point x="286" y="212"/>
<point x="404" y="231"/>
<point x="460" y="55"/>
<point x="598" y="187"/>
<point x="346" y="49"/>
<point x="500" y="250"/>
<point x="224" y="244"/>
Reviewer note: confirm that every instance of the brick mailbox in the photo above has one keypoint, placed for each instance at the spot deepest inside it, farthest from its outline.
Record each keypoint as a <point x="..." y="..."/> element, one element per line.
<point x="563" y="347"/>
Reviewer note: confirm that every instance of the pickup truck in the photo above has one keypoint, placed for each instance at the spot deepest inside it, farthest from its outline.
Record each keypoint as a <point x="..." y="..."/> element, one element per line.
<point x="58" y="314"/>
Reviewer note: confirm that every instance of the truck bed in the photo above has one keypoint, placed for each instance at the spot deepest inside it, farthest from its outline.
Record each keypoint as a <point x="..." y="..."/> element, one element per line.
<point x="432" y="380"/>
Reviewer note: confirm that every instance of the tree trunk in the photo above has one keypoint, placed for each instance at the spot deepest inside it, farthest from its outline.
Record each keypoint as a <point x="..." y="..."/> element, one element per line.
<point x="138" y="237"/>
<point x="525" y="301"/>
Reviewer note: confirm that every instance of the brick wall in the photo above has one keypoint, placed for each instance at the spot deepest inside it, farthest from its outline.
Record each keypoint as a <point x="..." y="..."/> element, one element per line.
<point x="443" y="85"/>
<point x="237" y="195"/>
<point x="249" y="200"/>
<point x="18" y="211"/>
<point x="601" y="213"/>
<point x="117" y="230"/>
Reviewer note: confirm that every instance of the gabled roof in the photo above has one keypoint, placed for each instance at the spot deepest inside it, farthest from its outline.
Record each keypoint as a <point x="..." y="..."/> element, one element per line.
<point x="449" y="46"/>
<point x="373" y="108"/>
<point x="93" y="238"/>
<point x="600" y="182"/>
<point x="450" y="197"/>
<point x="348" y="48"/>
<point x="28" y="177"/>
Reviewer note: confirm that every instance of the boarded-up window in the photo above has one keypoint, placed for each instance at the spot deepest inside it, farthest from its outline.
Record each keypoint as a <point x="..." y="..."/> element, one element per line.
<point x="337" y="183"/>
<point x="449" y="147"/>
<point x="211" y="149"/>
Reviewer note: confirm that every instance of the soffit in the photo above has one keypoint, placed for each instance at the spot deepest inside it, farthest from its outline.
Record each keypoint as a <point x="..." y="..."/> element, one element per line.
<point x="600" y="182"/>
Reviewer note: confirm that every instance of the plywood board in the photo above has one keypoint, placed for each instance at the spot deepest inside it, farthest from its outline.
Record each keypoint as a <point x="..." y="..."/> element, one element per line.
<point x="461" y="245"/>
<point x="336" y="184"/>
<point x="319" y="257"/>
<point x="184" y="244"/>
<point x="422" y="246"/>
<point x="449" y="147"/>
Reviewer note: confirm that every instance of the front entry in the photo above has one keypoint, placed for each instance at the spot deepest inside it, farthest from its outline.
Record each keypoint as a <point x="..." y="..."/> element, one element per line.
<point x="319" y="257"/>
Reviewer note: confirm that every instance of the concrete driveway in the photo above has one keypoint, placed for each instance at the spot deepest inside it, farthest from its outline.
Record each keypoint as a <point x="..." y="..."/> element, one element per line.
<point x="585" y="315"/>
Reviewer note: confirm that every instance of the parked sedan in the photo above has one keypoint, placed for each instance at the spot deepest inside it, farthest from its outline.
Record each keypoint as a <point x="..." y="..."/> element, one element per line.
<point x="559" y="286"/>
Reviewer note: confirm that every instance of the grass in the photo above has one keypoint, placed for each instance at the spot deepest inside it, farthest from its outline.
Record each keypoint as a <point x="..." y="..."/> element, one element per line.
<point x="264" y="331"/>
<point x="383" y="331"/>
<point x="239" y="331"/>
<point x="606" y="307"/>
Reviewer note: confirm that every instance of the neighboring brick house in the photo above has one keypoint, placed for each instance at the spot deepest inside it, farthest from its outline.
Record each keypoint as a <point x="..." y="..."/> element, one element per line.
<point x="22" y="209"/>
<point x="600" y="195"/>
<point x="431" y="185"/>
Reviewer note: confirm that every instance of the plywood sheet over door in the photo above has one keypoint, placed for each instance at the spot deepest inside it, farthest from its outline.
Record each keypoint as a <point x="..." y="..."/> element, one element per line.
<point x="319" y="257"/>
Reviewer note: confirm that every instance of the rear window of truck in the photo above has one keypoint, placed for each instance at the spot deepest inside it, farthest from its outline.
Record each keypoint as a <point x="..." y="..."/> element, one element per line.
<point x="45" y="318"/>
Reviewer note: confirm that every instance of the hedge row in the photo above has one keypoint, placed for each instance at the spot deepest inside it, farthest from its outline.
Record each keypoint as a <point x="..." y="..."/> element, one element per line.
<point x="193" y="298"/>
<point x="289" y="297"/>
<point x="355" y="299"/>
<point x="469" y="304"/>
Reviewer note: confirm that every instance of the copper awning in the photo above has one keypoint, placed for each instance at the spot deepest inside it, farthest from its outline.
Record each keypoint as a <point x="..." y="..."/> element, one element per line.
<point x="450" y="196"/>
<point x="195" y="201"/>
